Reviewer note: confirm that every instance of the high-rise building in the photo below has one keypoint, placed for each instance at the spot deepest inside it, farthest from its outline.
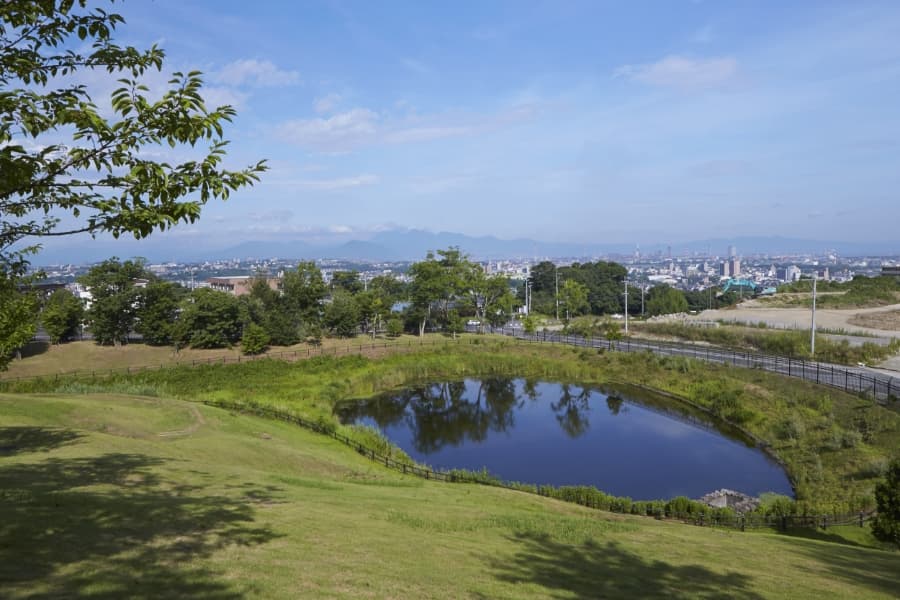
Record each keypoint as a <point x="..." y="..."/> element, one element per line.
<point x="734" y="266"/>
<point x="732" y="251"/>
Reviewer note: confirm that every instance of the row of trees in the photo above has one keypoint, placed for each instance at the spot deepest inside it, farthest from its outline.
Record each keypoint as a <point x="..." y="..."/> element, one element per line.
<point x="444" y="291"/>
<point x="446" y="288"/>
<point x="598" y="288"/>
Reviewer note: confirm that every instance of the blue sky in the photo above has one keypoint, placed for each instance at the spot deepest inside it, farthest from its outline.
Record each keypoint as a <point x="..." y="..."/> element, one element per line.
<point x="577" y="121"/>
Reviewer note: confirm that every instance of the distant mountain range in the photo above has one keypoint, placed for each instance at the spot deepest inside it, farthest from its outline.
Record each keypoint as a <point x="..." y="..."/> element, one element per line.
<point x="413" y="244"/>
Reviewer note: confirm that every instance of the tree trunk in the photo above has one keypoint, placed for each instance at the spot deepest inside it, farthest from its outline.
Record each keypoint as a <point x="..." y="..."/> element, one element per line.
<point x="422" y="327"/>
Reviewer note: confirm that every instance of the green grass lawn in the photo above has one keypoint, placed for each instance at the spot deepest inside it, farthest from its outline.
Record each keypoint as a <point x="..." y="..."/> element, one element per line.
<point x="111" y="496"/>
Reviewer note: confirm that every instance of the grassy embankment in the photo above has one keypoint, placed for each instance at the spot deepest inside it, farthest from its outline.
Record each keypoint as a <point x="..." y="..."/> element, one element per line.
<point x="106" y="496"/>
<point x="834" y="445"/>
<point x="794" y="344"/>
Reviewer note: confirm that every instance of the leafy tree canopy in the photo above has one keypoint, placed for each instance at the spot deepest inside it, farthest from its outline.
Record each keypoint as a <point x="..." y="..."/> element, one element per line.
<point x="209" y="319"/>
<point x="114" y="298"/>
<point x="67" y="168"/>
<point x="17" y="323"/>
<point x="62" y="315"/>
<point x="665" y="300"/>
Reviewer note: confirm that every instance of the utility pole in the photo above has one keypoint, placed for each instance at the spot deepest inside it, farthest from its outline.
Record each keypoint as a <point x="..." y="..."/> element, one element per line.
<point x="642" y="299"/>
<point x="527" y="297"/>
<point x="626" y="306"/>
<point x="812" y="333"/>
<point x="557" y="291"/>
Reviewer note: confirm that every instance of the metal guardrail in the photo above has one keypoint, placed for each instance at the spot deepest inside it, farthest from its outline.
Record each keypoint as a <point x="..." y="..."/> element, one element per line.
<point x="882" y="388"/>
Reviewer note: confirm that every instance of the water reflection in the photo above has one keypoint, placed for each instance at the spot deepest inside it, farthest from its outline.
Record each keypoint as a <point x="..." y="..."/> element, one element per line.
<point x="643" y="445"/>
<point x="571" y="410"/>
<point x="445" y="413"/>
<point x="452" y="413"/>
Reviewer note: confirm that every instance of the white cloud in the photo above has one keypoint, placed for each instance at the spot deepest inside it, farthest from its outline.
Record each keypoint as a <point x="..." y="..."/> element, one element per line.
<point x="422" y="134"/>
<point x="339" y="132"/>
<point x="326" y="104"/>
<point x="327" y="185"/>
<point x="682" y="72"/>
<point x="345" y="131"/>
<point x="275" y="215"/>
<point x="214" y="96"/>
<point x="262" y="73"/>
<point x="442" y="184"/>
<point x="416" y="66"/>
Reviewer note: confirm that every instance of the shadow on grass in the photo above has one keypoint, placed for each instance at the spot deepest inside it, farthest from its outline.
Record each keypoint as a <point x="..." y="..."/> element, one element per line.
<point x="15" y="440"/>
<point x="34" y="349"/>
<point x="873" y="570"/>
<point x="833" y="537"/>
<point x="111" y="527"/>
<point x="593" y="570"/>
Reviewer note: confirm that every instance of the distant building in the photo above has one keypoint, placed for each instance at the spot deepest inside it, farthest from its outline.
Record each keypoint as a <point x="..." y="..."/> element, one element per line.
<point x="239" y="285"/>
<point x="730" y="267"/>
<point x="725" y="269"/>
<point x="891" y="271"/>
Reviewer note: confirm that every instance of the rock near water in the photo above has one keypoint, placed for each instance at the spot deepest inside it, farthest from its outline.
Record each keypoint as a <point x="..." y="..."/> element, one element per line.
<point x="730" y="499"/>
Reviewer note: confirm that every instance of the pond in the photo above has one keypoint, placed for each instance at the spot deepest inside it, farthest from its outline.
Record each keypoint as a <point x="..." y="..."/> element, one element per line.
<point x="627" y="442"/>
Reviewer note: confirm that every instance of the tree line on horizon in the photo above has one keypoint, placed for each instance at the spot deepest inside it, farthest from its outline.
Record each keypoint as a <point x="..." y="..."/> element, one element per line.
<point x="444" y="292"/>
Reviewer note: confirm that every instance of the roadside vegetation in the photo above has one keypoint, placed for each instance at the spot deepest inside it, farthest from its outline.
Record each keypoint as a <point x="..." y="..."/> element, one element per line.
<point x="835" y="446"/>
<point x="794" y="344"/>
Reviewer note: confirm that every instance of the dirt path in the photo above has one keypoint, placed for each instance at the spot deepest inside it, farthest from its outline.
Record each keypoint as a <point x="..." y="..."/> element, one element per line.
<point x="888" y="320"/>
<point x="199" y="421"/>
<point x="829" y="318"/>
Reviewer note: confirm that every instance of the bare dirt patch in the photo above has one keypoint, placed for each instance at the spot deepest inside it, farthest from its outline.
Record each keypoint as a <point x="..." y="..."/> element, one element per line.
<point x="887" y="320"/>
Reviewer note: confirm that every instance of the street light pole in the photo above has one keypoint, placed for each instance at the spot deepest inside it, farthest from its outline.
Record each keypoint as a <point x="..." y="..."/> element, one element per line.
<point x="527" y="297"/>
<point x="626" y="307"/>
<point x="812" y="333"/>
<point x="557" y="291"/>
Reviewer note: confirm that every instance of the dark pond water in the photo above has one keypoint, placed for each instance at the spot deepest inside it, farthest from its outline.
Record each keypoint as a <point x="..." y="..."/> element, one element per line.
<point x="627" y="443"/>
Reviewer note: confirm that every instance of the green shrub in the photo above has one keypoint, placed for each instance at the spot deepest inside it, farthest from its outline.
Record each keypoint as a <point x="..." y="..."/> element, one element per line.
<point x="850" y="439"/>
<point x="255" y="340"/>
<point x="395" y="327"/>
<point x="886" y="524"/>
<point x="791" y="429"/>
<point x="776" y="505"/>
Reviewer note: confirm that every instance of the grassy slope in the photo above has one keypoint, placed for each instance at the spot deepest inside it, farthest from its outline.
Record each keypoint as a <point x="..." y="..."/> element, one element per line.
<point x="807" y="425"/>
<point x="95" y="502"/>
